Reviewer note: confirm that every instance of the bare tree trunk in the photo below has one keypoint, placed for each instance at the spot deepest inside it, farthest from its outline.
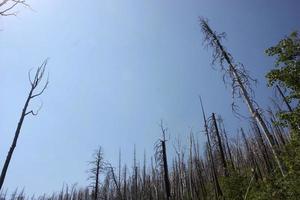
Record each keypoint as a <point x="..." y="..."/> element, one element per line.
<point x="228" y="149"/>
<point x="166" y="171"/>
<point x="210" y="156"/>
<point x="125" y="183"/>
<point x="118" y="186"/>
<point x="34" y="84"/>
<point x="222" y="154"/>
<point x="14" y="143"/>
<point x="98" y="166"/>
<point x="97" y="180"/>
<point x="135" y="185"/>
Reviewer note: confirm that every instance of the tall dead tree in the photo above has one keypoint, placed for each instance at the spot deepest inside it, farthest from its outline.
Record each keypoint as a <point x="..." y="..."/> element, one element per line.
<point x="34" y="92"/>
<point x="135" y="177"/>
<point x="240" y="81"/>
<point x="161" y="158"/>
<point x="97" y="166"/>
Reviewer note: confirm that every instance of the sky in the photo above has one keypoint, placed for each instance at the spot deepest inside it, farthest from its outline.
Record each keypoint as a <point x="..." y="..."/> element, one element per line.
<point x="116" y="68"/>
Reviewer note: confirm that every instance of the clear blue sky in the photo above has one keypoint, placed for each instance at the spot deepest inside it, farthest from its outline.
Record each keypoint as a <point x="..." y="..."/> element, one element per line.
<point x="116" y="68"/>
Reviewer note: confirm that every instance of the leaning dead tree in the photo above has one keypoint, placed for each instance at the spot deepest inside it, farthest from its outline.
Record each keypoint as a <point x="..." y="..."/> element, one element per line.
<point x="7" y="7"/>
<point x="240" y="81"/>
<point x="34" y="92"/>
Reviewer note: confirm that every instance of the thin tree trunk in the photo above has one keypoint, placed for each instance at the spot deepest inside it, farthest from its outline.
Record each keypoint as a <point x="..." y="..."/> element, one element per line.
<point x="222" y="154"/>
<point x="210" y="156"/>
<point x="229" y="151"/>
<point x="97" y="180"/>
<point x="34" y="84"/>
<point x="166" y="171"/>
<point x="14" y="143"/>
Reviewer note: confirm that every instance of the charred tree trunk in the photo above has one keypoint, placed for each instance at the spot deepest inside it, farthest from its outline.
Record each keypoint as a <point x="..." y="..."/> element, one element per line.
<point x="229" y="150"/>
<point x="166" y="171"/>
<point x="34" y="84"/>
<point x="217" y="187"/>
<point x="98" y="165"/>
<point x="97" y="180"/>
<point x="222" y="153"/>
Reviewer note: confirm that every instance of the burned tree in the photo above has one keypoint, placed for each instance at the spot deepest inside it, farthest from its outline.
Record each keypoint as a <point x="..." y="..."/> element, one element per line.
<point x="220" y="145"/>
<point x="115" y="180"/>
<point x="98" y="166"/>
<point x="240" y="82"/>
<point x="161" y="158"/>
<point x="33" y="93"/>
<point x="217" y="187"/>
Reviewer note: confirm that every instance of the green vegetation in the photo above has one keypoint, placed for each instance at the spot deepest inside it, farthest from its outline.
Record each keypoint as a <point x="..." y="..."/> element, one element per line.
<point x="286" y="75"/>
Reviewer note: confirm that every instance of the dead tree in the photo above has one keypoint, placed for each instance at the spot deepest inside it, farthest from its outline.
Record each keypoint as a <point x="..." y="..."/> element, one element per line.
<point x="98" y="166"/>
<point x="228" y="149"/>
<point x="240" y="81"/>
<point x="116" y="182"/>
<point x="161" y="158"/>
<point x="7" y="7"/>
<point x="220" y="145"/>
<point x="217" y="186"/>
<point x="33" y="93"/>
<point x="135" y="177"/>
<point x="125" y="182"/>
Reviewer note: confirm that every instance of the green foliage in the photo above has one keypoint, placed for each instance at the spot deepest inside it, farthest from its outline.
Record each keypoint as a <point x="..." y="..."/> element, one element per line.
<point x="287" y="74"/>
<point x="235" y="186"/>
<point x="278" y="187"/>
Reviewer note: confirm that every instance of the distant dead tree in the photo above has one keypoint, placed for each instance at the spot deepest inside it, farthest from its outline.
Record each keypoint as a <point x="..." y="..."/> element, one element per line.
<point x="33" y="93"/>
<point x="220" y="145"/>
<point x="98" y="166"/>
<point x="217" y="187"/>
<point x="7" y="7"/>
<point x="161" y="158"/>
<point x="116" y="181"/>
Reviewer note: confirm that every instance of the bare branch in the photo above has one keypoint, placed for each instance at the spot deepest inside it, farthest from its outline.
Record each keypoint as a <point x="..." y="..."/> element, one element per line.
<point x="41" y="92"/>
<point x="29" y="77"/>
<point x="7" y="7"/>
<point x="34" y="113"/>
